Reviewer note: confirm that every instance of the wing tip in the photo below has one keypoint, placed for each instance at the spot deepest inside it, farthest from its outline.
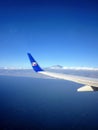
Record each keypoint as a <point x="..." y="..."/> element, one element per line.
<point x="34" y="64"/>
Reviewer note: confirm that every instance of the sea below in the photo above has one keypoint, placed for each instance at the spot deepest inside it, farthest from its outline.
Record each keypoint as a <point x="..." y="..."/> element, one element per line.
<point x="28" y="103"/>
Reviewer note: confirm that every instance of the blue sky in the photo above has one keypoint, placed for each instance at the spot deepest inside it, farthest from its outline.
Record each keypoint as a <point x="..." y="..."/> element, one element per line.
<point x="63" y="32"/>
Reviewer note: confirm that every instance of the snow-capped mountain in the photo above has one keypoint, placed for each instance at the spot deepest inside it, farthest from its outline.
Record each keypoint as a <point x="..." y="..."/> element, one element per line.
<point x="56" y="67"/>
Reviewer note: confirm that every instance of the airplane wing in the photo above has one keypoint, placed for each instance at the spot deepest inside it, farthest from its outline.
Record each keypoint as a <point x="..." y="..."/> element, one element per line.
<point x="90" y="84"/>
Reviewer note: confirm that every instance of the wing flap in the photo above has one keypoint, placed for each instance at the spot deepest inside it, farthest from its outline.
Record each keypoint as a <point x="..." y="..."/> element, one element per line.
<point x="87" y="88"/>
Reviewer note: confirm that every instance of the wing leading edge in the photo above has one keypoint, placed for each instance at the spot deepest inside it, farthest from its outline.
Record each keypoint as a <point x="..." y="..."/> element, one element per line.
<point x="90" y="84"/>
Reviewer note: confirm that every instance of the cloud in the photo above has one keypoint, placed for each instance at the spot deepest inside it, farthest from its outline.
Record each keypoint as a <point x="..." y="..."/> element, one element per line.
<point x="56" y="67"/>
<point x="80" y="68"/>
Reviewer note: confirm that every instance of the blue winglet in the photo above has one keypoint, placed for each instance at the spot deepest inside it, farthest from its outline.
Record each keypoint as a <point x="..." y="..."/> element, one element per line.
<point x="34" y="64"/>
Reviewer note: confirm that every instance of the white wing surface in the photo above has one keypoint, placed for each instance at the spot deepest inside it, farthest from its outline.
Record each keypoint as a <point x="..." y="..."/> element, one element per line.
<point x="90" y="84"/>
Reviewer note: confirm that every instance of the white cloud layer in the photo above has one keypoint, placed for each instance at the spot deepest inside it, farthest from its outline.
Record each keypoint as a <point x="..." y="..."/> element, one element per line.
<point x="81" y="68"/>
<point x="72" y="68"/>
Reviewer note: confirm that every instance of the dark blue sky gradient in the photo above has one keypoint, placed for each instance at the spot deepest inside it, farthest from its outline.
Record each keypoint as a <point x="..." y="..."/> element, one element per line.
<point x="61" y="32"/>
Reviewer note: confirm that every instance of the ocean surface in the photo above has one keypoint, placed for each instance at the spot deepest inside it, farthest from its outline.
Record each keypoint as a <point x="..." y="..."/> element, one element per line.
<point x="28" y="103"/>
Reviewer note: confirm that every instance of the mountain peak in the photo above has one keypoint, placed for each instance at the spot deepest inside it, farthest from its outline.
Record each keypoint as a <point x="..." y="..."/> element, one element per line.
<point x="56" y="67"/>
